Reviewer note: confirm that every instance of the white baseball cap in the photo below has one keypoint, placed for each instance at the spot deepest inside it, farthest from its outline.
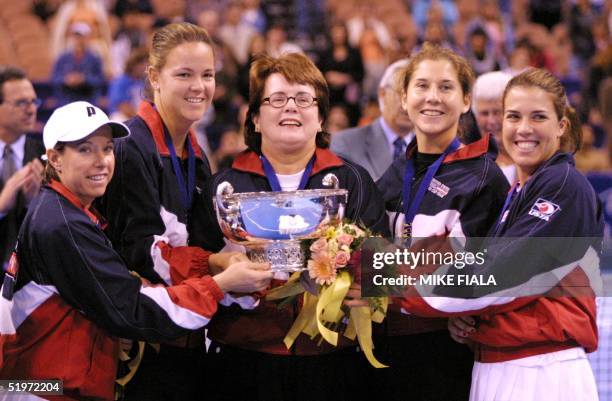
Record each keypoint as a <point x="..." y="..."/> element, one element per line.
<point x="76" y="121"/>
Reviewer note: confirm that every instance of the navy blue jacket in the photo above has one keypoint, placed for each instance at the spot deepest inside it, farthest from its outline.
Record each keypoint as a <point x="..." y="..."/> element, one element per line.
<point x="464" y="200"/>
<point x="263" y="328"/>
<point x="147" y="221"/>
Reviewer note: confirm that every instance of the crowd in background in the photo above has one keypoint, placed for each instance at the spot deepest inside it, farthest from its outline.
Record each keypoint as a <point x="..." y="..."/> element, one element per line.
<point x="99" y="51"/>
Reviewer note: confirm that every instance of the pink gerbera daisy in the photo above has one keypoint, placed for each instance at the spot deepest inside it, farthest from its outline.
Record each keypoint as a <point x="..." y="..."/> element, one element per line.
<point x="321" y="269"/>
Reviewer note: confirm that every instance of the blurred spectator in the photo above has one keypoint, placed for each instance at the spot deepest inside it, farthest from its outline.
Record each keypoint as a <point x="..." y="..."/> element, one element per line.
<point x="309" y="21"/>
<point x="45" y="9"/>
<point x="235" y="33"/>
<point x="567" y="64"/>
<point x="467" y="13"/>
<point x="545" y="12"/>
<point x="435" y="33"/>
<point x="371" y="36"/>
<point x="540" y="42"/>
<point x="20" y="167"/>
<point x="487" y="107"/>
<point x="589" y="158"/>
<point x="92" y="13"/>
<point x="601" y="34"/>
<point x="363" y="19"/>
<point x="601" y="68"/>
<point x="376" y="145"/>
<point x="77" y="74"/>
<point x="481" y="52"/>
<point x="135" y="30"/>
<point x="230" y="145"/>
<point x="337" y="120"/>
<point x="195" y="7"/>
<point x="407" y="35"/>
<point x="493" y="23"/>
<point x="125" y="92"/>
<point x="342" y="67"/>
<point x="257" y="46"/>
<point x="253" y="16"/>
<point x="226" y="65"/>
<point x="168" y="11"/>
<point x="520" y="58"/>
<point x="605" y="105"/>
<point x="126" y="6"/>
<point x="421" y="11"/>
<point x="369" y="113"/>
<point x="277" y="43"/>
<point x="581" y="19"/>
<point x="520" y="12"/>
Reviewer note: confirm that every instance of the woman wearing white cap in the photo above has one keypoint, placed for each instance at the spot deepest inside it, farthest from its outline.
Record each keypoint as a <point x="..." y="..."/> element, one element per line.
<point x="68" y="295"/>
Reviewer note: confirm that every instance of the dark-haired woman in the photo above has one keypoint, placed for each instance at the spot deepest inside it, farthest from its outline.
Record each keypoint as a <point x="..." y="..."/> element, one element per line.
<point x="67" y="296"/>
<point x="287" y="151"/>
<point x="441" y="188"/>
<point x="530" y="343"/>
<point x="151" y="200"/>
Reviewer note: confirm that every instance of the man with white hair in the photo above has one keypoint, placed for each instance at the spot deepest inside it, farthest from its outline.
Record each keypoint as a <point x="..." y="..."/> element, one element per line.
<point x="376" y="145"/>
<point x="487" y="106"/>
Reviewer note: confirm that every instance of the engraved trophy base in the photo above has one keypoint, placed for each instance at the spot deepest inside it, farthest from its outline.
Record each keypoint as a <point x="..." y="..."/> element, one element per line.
<point x="283" y="256"/>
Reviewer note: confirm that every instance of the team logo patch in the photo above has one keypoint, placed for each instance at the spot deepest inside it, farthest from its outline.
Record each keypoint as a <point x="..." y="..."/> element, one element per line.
<point x="543" y="209"/>
<point x="437" y="188"/>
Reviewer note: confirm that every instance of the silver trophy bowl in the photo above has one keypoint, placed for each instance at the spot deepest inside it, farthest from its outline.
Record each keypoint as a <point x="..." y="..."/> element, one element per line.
<point x="272" y="225"/>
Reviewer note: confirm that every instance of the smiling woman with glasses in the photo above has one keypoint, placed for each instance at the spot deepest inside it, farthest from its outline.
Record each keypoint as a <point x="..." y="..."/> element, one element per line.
<point x="287" y="151"/>
<point x="278" y="100"/>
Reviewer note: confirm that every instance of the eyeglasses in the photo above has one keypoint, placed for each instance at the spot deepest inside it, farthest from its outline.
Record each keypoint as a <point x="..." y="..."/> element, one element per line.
<point x="25" y="103"/>
<point x="302" y="100"/>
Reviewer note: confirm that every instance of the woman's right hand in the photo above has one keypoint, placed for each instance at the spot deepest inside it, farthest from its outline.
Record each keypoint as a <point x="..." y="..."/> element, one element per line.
<point x="244" y="277"/>
<point x="218" y="262"/>
<point x="461" y="327"/>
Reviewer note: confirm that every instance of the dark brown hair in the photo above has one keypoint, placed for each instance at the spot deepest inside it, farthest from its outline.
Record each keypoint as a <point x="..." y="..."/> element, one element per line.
<point x="297" y="69"/>
<point x="166" y="39"/>
<point x="50" y="173"/>
<point x="571" y="139"/>
<point x="7" y="74"/>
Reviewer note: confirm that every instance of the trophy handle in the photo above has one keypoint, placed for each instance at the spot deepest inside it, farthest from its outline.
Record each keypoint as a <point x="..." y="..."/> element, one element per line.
<point x="331" y="180"/>
<point x="224" y="189"/>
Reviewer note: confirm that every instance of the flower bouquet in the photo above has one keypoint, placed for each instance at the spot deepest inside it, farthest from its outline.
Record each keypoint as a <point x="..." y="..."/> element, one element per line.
<point x="332" y="267"/>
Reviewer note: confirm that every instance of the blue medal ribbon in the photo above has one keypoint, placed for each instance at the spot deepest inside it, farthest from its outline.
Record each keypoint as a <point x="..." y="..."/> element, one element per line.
<point x="411" y="207"/>
<point x="507" y="202"/>
<point x="185" y="190"/>
<point x="273" y="179"/>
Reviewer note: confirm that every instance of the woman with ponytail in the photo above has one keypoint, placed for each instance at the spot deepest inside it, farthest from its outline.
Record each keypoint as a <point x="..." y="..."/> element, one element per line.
<point x="531" y="331"/>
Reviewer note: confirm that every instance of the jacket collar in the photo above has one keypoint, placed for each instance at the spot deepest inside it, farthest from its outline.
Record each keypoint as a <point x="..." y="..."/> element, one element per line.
<point x="92" y="213"/>
<point x="152" y="119"/>
<point x="558" y="158"/>
<point x="465" y="152"/>
<point x="249" y="162"/>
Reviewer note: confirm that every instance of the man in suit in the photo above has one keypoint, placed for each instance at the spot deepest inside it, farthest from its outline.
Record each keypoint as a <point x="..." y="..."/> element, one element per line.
<point x="376" y="145"/>
<point x="20" y="168"/>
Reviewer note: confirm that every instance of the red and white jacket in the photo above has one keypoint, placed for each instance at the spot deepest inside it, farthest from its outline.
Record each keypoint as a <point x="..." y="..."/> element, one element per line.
<point x="468" y="196"/>
<point x="545" y="256"/>
<point x="147" y="223"/>
<point x="74" y="297"/>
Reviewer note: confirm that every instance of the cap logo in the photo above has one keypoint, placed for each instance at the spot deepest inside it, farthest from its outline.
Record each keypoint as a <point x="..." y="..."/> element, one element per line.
<point x="90" y="111"/>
